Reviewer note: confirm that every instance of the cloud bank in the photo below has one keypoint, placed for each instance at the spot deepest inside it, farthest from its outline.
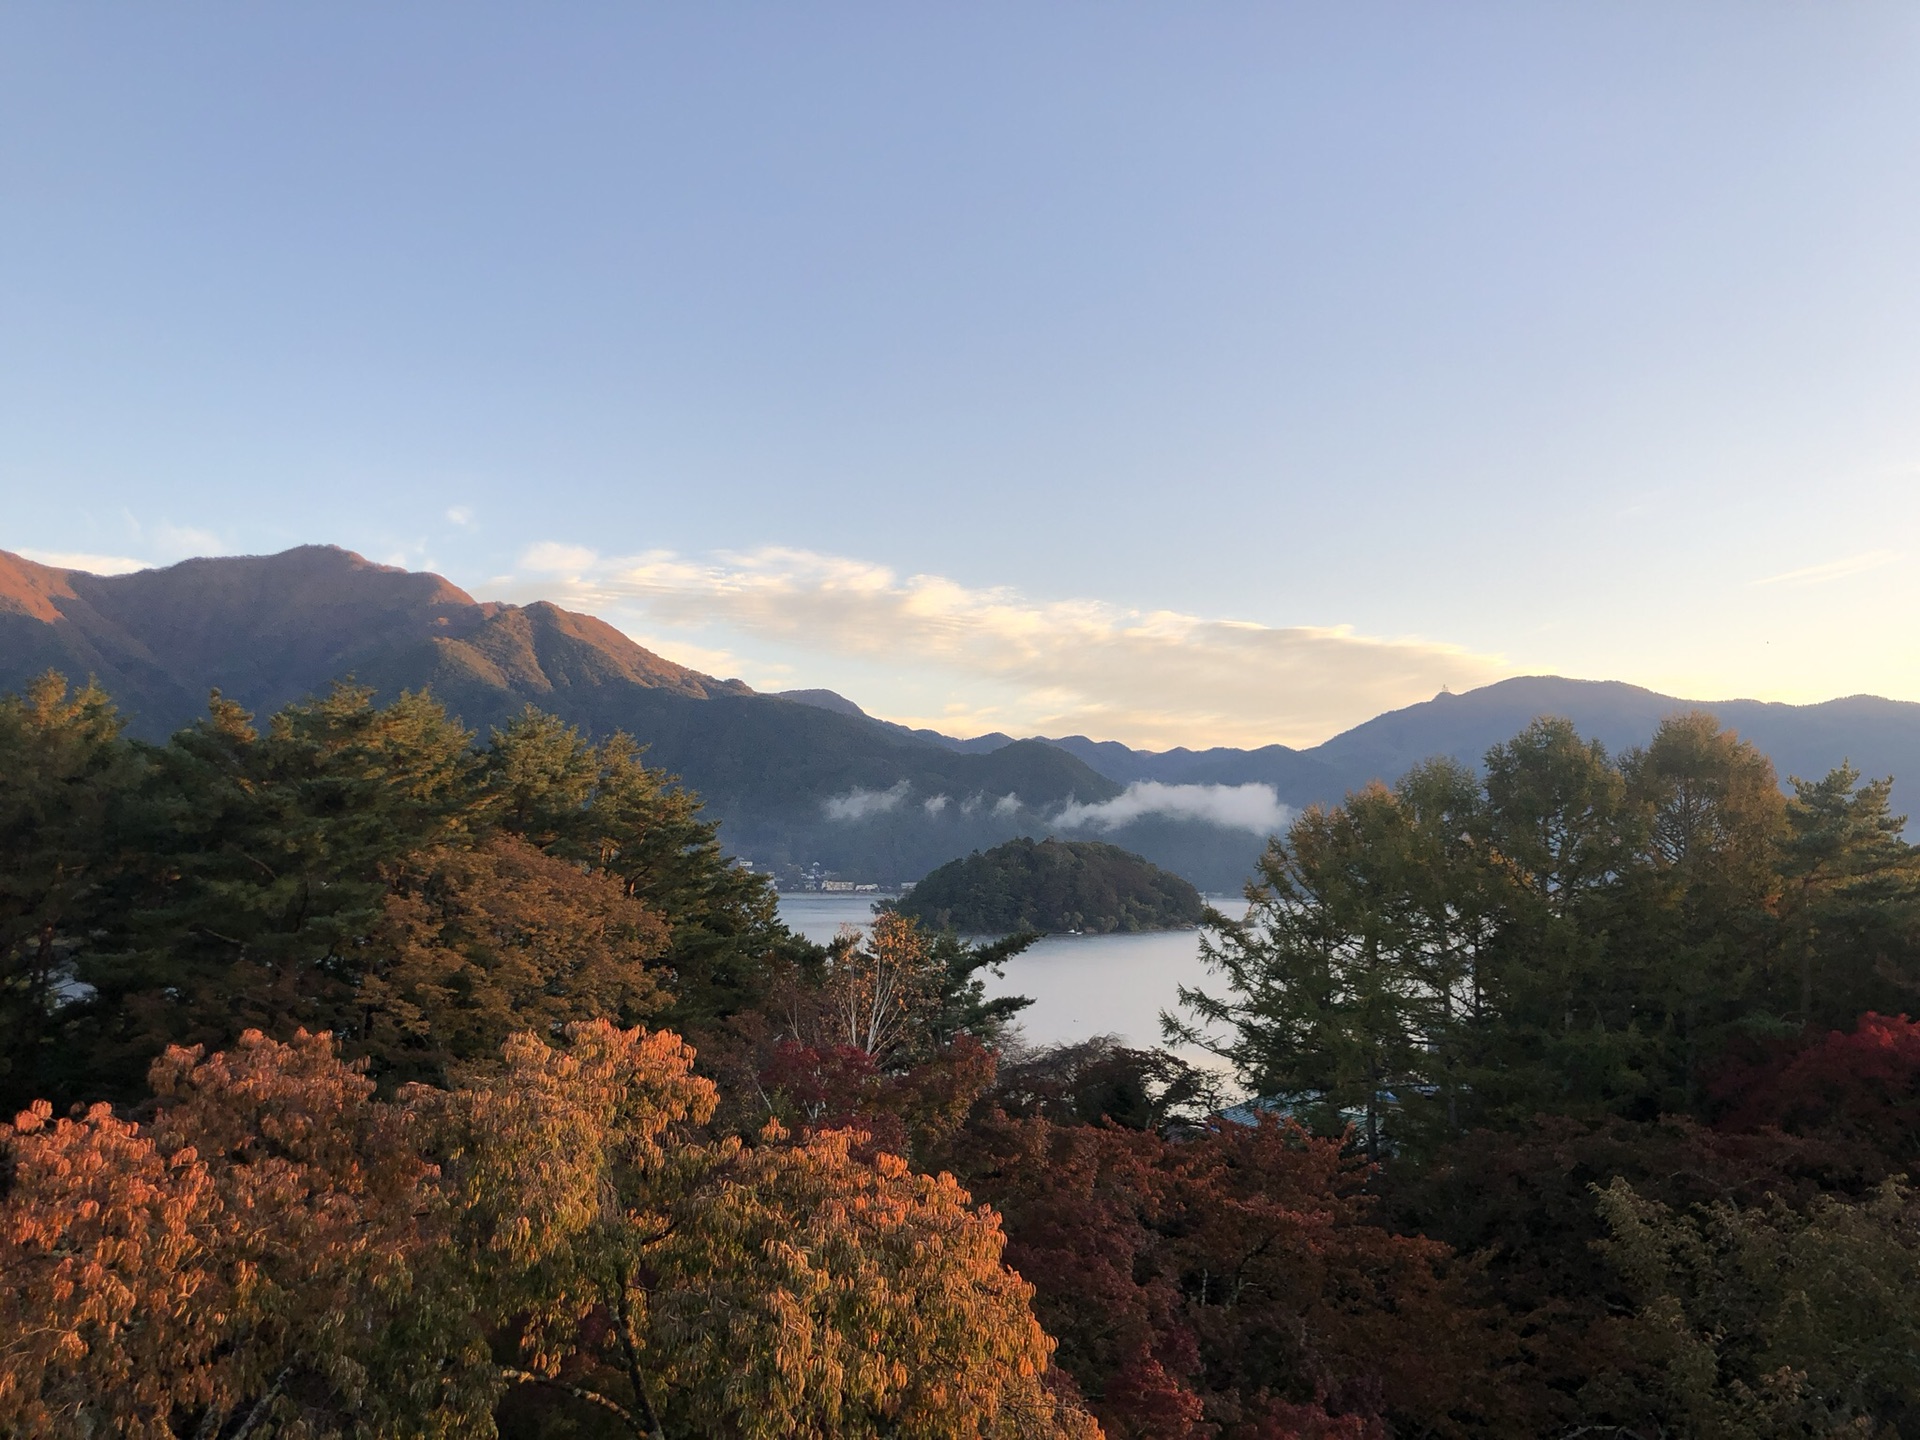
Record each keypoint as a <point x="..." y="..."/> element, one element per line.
<point x="1254" y="808"/>
<point x="1006" y="661"/>
<point x="1233" y="807"/>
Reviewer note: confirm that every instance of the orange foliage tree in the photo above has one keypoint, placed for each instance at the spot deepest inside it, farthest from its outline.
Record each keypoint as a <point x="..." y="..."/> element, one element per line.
<point x="278" y="1253"/>
<point x="725" y="1289"/>
<point x="477" y="943"/>
<point x="262" y="1258"/>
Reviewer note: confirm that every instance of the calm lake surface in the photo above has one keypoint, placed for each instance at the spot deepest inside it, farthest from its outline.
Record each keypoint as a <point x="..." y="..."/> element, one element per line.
<point x="1082" y="985"/>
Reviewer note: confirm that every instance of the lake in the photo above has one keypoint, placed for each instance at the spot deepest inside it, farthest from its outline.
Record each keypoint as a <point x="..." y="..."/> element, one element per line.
<point x="1082" y="985"/>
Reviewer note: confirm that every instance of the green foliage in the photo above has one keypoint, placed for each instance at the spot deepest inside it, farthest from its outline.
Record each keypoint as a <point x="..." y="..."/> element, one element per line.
<point x="1597" y="1021"/>
<point x="1773" y="1321"/>
<point x="1567" y="935"/>
<point x="358" y="869"/>
<point x="256" y="872"/>
<point x="1850" y="902"/>
<point x="597" y="805"/>
<point x="1050" y="886"/>
<point x="63" y="773"/>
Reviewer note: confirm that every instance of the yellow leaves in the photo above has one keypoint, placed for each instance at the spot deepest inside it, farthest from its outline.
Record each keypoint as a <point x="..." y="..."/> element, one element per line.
<point x="762" y="1290"/>
<point x="911" y="1324"/>
<point x="880" y="990"/>
<point x="789" y="1288"/>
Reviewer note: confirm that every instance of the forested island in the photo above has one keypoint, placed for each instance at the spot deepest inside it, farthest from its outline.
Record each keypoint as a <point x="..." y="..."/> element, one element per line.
<point x="1053" y="886"/>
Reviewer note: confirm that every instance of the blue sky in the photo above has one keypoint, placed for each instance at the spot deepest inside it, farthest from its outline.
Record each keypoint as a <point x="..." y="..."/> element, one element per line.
<point x="1176" y="373"/>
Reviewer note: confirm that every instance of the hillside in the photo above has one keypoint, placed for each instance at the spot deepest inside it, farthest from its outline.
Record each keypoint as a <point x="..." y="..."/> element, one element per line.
<point x="803" y="777"/>
<point x="1053" y="886"/>
<point x="791" y="782"/>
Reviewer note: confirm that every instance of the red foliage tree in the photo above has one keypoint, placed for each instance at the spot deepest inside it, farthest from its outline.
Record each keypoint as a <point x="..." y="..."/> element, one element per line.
<point x="1232" y="1285"/>
<point x="1862" y="1085"/>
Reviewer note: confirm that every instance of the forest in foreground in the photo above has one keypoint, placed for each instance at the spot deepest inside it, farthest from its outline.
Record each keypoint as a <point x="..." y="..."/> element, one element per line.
<point x="373" y="1079"/>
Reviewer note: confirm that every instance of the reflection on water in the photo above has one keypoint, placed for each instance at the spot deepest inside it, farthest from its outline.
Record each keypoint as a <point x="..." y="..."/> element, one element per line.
<point x="1082" y="985"/>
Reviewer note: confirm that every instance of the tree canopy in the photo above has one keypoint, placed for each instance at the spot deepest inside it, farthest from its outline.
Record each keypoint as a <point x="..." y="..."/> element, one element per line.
<point x="1050" y="886"/>
<point x="374" y="1079"/>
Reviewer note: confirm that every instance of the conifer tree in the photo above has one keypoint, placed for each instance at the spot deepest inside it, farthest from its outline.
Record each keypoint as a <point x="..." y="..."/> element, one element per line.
<point x="64" y="771"/>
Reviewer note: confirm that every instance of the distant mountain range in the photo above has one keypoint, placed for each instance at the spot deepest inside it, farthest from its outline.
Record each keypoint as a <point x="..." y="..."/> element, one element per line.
<point x="1881" y="737"/>
<point x="805" y="776"/>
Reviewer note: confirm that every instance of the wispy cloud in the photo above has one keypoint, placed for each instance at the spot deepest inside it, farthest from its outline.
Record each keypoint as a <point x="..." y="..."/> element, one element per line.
<point x="859" y="804"/>
<point x="1024" y="665"/>
<point x="1833" y="569"/>
<point x="181" y="542"/>
<point x="1235" y="807"/>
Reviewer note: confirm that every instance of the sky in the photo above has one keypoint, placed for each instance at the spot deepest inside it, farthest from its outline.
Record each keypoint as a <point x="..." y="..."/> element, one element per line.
<point x="1176" y="374"/>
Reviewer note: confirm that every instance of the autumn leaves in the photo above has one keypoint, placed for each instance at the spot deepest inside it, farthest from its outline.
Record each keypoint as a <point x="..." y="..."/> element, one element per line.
<point x="281" y="1247"/>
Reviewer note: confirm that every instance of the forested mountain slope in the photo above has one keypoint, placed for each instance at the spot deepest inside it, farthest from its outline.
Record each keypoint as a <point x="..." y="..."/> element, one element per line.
<point x="806" y="776"/>
<point x="790" y="781"/>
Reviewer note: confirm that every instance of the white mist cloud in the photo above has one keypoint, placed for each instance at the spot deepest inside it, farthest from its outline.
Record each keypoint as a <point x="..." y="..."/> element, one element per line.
<point x="1235" y="807"/>
<point x="182" y="542"/>
<point x="858" y="804"/>
<point x="1007" y="805"/>
<point x="1017" y="664"/>
<point x="936" y="804"/>
<point x="80" y="560"/>
<point x="551" y="558"/>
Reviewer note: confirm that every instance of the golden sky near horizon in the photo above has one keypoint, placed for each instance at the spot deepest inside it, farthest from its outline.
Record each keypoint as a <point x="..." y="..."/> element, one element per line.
<point x="928" y="650"/>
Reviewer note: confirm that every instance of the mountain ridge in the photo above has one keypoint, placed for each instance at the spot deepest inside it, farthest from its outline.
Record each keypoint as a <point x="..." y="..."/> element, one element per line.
<point x="796" y="777"/>
<point x="787" y="780"/>
<point x="1880" y="736"/>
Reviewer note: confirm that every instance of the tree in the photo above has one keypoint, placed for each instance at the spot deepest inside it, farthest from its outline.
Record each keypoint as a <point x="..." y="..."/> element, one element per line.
<point x="260" y="870"/>
<point x="1052" y="885"/>
<point x="281" y="1251"/>
<point x="1695" y="920"/>
<point x="889" y="1036"/>
<point x="1233" y="1282"/>
<point x="1521" y="1202"/>
<point x="363" y="870"/>
<point x="1862" y="1086"/>
<point x="1097" y="1081"/>
<point x="873" y="1301"/>
<point x="600" y="806"/>
<point x="1569" y="936"/>
<point x="63" y="772"/>
<point x="1558" y="830"/>
<point x="1850" y="901"/>
<point x="1771" y="1321"/>
<point x="477" y="943"/>
<point x="771" y="1289"/>
<point x="1355" y="977"/>
<point x="261" y="1259"/>
<point x="1321" y="1001"/>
